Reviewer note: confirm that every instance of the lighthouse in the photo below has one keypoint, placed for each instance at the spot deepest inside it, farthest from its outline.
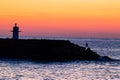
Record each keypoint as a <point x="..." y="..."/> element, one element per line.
<point x="15" y="32"/>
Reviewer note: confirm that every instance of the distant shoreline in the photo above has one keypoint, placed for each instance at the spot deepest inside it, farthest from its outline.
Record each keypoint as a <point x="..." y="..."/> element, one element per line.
<point x="61" y="38"/>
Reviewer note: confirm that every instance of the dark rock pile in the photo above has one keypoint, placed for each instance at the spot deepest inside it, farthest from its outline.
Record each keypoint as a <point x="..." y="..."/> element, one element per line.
<point x="45" y="50"/>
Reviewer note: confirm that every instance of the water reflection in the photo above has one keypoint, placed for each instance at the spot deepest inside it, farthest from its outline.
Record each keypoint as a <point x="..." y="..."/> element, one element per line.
<point x="83" y="70"/>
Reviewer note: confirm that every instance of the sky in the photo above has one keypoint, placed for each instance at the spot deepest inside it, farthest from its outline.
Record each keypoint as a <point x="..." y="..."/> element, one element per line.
<point x="61" y="18"/>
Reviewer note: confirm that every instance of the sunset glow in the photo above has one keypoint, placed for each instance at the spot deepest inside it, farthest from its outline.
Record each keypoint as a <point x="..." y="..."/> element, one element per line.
<point x="61" y="18"/>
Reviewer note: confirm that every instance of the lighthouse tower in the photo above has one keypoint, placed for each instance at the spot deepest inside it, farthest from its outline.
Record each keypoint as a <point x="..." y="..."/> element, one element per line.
<point x="15" y="31"/>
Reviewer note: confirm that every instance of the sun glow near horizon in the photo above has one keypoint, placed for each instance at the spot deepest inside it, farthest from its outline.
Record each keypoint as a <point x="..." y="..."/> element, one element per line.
<point x="70" y="18"/>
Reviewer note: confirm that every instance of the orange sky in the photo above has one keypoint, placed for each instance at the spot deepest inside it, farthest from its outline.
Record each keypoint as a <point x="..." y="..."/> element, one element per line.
<point x="61" y="18"/>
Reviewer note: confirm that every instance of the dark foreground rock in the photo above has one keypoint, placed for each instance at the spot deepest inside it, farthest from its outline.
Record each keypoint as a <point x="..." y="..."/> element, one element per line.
<point x="46" y="50"/>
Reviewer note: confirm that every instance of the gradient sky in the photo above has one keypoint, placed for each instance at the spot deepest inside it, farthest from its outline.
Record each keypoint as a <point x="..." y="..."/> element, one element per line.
<point x="61" y="18"/>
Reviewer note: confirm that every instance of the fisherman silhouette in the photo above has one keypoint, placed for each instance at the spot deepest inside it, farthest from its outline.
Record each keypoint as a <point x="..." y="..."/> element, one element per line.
<point x="86" y="45"/>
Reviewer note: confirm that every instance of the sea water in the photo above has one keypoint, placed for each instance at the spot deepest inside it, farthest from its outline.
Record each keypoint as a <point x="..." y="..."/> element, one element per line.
<point x="78" y="70"/>
<point x="104" y="47"/>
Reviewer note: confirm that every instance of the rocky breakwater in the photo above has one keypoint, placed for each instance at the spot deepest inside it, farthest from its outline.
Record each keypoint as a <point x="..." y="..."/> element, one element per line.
<point x="46" y="50"/>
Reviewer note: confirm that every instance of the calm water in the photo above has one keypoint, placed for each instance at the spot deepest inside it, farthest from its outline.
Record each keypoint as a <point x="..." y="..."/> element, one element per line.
<point x="79" y="70"/>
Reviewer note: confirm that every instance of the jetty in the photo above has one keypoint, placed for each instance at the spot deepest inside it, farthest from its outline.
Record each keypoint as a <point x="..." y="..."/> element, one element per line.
<point x="44" y="49"/>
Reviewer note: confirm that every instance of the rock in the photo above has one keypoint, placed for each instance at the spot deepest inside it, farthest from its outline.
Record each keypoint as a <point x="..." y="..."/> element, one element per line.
<point x="104" y="58"/>
<point x="46" y="50"/>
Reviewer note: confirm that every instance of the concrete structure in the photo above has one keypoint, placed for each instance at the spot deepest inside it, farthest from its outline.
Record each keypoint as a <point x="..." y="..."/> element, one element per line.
<point x="15" y="32"/>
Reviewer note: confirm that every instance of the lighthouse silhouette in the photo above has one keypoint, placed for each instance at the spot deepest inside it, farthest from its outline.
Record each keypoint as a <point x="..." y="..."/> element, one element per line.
<point x="15" y="32"/>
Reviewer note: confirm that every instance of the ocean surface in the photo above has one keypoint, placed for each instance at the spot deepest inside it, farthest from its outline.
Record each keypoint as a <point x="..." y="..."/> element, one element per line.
<point x="78" y="70"/>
